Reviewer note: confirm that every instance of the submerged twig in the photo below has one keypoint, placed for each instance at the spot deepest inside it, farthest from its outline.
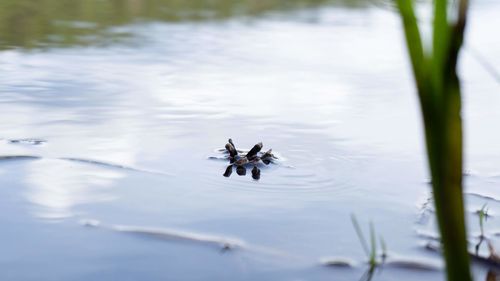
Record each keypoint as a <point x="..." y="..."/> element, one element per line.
<point x="493" y="260"/>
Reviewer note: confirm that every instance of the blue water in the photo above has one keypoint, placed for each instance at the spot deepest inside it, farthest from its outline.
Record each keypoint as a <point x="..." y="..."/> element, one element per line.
<point x="126" y="131"/>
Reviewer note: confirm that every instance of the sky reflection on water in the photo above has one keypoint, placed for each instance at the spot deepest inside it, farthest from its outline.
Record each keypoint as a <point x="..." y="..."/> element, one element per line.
<point x="332" y="95"/>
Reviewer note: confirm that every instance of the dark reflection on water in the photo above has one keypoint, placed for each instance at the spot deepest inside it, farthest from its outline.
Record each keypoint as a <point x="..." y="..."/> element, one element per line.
<point x="242" y="171"/>
<point x="42" y="24"/>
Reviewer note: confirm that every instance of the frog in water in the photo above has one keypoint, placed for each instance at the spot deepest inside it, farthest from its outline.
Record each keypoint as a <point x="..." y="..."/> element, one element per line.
<point x="241" y="159"/>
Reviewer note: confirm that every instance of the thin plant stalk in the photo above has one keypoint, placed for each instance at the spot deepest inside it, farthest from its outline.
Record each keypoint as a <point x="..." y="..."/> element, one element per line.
<point x="361" y="237"/>
<point x="371" y="252"/>
<point x="439" y="93"/>
<point x="373" y="243"/>
<point x="483" y="216"/>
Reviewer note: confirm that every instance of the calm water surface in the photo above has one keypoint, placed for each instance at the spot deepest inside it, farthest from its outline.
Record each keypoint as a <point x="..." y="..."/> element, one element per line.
<point x="115" y="180"/>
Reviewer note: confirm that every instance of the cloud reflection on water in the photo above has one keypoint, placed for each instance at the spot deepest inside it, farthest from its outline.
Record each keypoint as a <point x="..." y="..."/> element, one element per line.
<point x="57" y="187"/>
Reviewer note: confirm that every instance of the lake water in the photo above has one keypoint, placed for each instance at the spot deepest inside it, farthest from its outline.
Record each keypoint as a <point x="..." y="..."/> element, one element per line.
<point x="109" y="123"/>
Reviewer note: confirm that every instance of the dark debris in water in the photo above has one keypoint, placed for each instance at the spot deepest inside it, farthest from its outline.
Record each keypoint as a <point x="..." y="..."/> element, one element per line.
<point x="243" y="160"/>
<point x="18" y="157"/>
<point x="413" y="264"/>
<point x="338" y="262"/>
<point x="28" y="141"/>
<point x="491" y="260"/>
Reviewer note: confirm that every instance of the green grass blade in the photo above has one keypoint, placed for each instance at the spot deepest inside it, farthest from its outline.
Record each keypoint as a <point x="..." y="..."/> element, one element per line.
<point x="384" y="247"/>
<point x="413" y="39"/>
<point x="360" y="235"/>
<point x="439" y="92"/>
<point x="440" y="44"/>
<point x="373" y="242"/>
